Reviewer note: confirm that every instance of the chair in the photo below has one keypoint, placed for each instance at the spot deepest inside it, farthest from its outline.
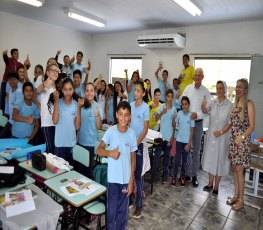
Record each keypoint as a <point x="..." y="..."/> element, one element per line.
<point x="3" y="121"/>
<point x="81" y="155"/>
<point x="97" y="208"/>
<point x="1" y="112"/>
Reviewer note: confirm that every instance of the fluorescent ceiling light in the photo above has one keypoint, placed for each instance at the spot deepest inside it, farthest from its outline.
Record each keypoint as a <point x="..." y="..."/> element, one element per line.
<point x="87" y="19"/>
<point x="36" y="3"/>
<point x="189" y="6"/>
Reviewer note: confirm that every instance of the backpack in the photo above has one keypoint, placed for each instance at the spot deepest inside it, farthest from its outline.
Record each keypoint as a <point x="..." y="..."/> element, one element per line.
<point x="100" y="174"/>
<point x="11" y="180"/>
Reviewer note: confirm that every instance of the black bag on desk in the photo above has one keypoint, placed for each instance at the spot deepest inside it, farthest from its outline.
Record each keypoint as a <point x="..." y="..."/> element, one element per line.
<point x="13" y="179"/>
<point x="38" y="161"/>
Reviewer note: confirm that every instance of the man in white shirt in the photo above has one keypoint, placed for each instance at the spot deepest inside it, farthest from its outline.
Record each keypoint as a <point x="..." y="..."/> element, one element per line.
<point x="196" y="92"/>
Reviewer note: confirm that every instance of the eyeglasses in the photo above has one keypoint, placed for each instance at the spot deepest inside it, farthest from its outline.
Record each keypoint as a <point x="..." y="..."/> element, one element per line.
<point x="54" y="70"/>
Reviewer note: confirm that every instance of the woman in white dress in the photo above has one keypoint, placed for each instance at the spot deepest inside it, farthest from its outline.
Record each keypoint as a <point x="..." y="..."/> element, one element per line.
<point x="215" y="158"/>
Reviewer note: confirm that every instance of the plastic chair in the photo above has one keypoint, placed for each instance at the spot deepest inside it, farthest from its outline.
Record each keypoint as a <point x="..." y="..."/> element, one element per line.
<point x="97" y="208"/>
<point x="3" y="121"/>
<point x="81" y="155"/>
<point x="1" y="112"/>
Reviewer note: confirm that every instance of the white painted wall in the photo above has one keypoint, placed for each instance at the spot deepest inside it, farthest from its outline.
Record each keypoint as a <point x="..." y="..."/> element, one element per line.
<point x="40" y="40"/>
<point x="229" y="38"/>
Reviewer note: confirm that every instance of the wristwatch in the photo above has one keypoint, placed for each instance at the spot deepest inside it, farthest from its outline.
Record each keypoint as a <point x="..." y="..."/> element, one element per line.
<point x="243" y="137"/>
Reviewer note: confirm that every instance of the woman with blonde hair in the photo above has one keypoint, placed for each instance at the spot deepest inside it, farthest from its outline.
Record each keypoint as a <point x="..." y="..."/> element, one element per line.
<point x="243" y="122"/>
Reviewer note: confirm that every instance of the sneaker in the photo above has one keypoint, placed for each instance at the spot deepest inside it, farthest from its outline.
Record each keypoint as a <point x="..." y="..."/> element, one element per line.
<point x="173" y="183"/>
<point x="188" y="178"/>
<point x="165" y="179"/>
<point x="138" y="213"/>
<point x="195" y="182"/>
<point x="214" y="192"/>
<point x="207" y="188"/>
<point x="182" y="181"/>
<point x="130" y="205"/>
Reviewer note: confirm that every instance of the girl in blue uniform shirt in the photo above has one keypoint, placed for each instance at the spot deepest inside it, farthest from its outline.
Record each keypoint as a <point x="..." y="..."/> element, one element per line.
<point x="139" y="123"/>
<point x="66" y="117"/>
<point x="91" y="122"/>
<point x="183" y="140"/>
<point x="166" y="114"/>
<point x="109" y="105"/>
<point x="131" y="84"/>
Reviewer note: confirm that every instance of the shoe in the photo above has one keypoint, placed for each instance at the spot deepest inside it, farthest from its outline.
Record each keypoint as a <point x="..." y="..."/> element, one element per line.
<point x="238" y="205"/>
<point x="182" y="181"/>
<point x="138" y="213"/>
<point x="188" y="178"/>
<point x="130" y="205"/>
<point x="231" y="200"/>
<point x="173" y="183"/>
<point x="195" y="181"/>
<point x="207" y="188"/>
<point x="214" y="192"/>
<point x="165" y="179"/>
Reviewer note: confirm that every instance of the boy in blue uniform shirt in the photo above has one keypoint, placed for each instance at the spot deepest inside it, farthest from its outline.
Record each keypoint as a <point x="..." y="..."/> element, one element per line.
<point x="120" y="141"/>
<point x="26" y="115"/>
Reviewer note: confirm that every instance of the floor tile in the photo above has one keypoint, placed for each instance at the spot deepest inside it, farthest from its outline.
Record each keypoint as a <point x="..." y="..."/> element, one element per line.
<point x="210" y="219"/>
<point x="217" y="206"/>
<point x="195" y="197"/>
<point x="186" y="208"/>
<point x="197" y="226"/>
<point x="153" y="209"/>
<point x="233" y="225"/>
<point x="145" y="222"/>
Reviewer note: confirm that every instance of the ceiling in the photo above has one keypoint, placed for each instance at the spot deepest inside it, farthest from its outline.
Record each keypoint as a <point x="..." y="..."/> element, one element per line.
<point x="128" y="15"/>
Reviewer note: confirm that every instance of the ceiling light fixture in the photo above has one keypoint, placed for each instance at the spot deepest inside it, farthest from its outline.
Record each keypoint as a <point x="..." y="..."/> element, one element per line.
<point x="90" y="19"/>
<point x="36" y="3"/>
<point x="189" y="6"/>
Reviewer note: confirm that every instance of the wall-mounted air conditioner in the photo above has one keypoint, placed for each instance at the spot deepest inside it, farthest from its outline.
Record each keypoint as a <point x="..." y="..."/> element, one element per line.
<point x="162" y="41"/>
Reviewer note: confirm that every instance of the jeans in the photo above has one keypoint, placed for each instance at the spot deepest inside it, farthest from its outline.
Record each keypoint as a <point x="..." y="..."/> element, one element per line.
<point x="181" y="154"/>
<point x="117" y="206"/>
<point x="49" y="135"/>
<point x="166" y="147"/>
<point x="66" y="153"/>
<point x="194" y="157"/>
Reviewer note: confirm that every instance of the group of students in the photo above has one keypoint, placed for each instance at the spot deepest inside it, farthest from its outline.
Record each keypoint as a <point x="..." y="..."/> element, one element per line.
<point x="71" y="110"/>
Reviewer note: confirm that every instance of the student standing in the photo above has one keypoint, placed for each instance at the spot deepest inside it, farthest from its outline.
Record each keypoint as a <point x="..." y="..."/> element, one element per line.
<point x="121" y="143"/>
<point x="139" y="123"/>
<point x="109" y="105"/>
<point x="66" y="117"/>
<point x="91" y="122"/>
<point x="26" y="115"/>
<point x="166" y="114"/>
<point x="183" y="140"/>
<point x="101" y="96"/>
<point x="131" y="84"/>
<point x="154" y="107"/>
<point x="117" y="97"/>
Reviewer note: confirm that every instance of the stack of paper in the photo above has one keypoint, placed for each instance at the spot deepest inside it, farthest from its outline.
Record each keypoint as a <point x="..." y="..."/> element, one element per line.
<point x="19" y="202"/>
<point x="152" y="134"/>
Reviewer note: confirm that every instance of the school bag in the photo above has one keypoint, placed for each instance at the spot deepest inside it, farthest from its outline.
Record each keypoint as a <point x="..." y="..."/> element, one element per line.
<point x="13" y="179"/>
<point x="100" y="174"/>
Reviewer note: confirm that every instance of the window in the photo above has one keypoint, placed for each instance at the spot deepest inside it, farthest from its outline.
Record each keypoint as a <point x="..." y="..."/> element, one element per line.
<point x="118" y="64"/>
<point x="228" y="69"/>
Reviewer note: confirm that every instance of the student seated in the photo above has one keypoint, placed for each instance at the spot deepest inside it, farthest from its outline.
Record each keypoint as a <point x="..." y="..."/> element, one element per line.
<point x="121" y="143"/>
<point x="26" y="115"/>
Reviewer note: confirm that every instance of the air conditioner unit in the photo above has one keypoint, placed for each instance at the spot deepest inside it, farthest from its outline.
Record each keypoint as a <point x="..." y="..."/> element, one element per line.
<point x="162" y="41"/>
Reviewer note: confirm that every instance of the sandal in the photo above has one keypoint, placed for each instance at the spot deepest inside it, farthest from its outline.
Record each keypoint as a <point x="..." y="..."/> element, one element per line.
<point x="231" y="200"/>
<point x="238" y="205"/>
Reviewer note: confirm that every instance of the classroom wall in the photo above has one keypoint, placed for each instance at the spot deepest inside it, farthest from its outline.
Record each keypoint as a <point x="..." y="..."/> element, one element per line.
<point x="40" y="40"/>
<point x="229" y="38"/>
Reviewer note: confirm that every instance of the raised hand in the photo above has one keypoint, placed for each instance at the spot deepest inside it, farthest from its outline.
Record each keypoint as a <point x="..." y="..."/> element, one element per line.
<point x="27" y="61"/>
<point x="56" y="95"/>
<point x="48" y="83"/>
<point x="115" y="154"/>
<point x="80" y="102"/>
<point x="5" y="52"/>
<point x="59" y="52"/>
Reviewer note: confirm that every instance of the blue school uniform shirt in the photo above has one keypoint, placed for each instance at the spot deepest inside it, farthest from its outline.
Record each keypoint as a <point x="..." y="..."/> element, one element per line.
<point x="110" y="110"/>
<point x="131" y="93"/>
<point x="13" y="97"/>
<point x="138" y="116"/>
<point x="184" y="126"/>
<point x="81" y="67"/>
<point x="175" y="104"/>
<point x="65" y="134"/>
<point x="161" y="87"/>
<point x="88" y="132"/>
<point x="119" y="171"/>
<point x="166" y="122"/>
<point x="24" y="129"/>
<point x="80" y="90"/>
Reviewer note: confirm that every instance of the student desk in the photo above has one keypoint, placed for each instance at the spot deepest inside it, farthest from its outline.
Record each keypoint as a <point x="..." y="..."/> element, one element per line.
<point x="45" y="216"/>
<point x="77" y="201"/>
<point x="29" y="180"/>
<point x="45" y="174"/>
